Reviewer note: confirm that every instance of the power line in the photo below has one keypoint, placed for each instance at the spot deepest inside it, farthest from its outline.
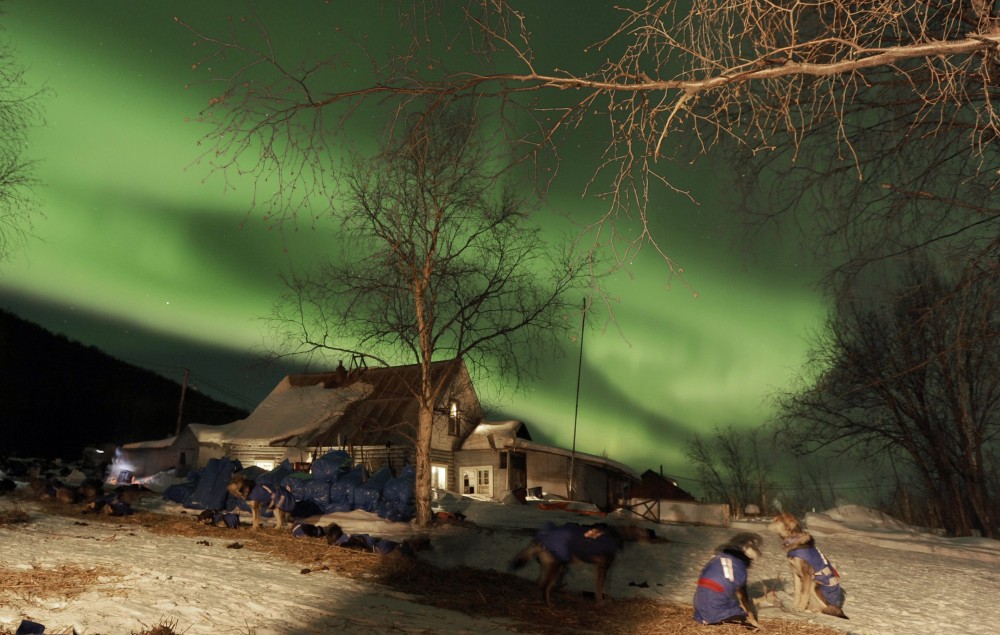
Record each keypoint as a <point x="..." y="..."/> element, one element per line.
<point x="241" y="398"/>
<point x="248" y="402"/>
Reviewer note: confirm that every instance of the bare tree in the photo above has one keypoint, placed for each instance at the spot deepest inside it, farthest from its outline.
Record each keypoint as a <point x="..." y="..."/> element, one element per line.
<point x="734" y="467"/>
<point x="671" y="77"/>
<point x="914" y="379"/>
<point x="19" y="111"/>
<point x="905" y="164"/>
<point x="876" y="121"/>
<point x="815" y="482"/>
<point x="437" y="263"/>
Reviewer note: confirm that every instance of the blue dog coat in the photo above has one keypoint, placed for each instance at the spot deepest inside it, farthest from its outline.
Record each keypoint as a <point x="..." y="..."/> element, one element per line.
<point x="573" y="540"/>
<point x="276" y="496"/>
<point x="380" y="546"/>
<point x="715" y="597"/>
<point x="228" y="519"/>
<point x="825" y="575"/>
<point x="27" y="627"/>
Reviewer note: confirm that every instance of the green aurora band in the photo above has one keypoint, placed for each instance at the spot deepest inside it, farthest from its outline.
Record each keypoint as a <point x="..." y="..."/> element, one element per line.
<point x="136" y="239"/>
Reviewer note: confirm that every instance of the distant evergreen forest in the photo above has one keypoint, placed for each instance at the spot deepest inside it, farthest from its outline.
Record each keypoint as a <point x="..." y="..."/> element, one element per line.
<point x="58" y="396"/>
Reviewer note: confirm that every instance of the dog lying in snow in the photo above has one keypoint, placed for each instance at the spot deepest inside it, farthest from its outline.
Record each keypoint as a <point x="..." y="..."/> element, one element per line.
<point x="336" y="537"/>
<point x="261" y="497"/>
<point x="721" y="596"/>
<point x="219" y="518"/>
<point x="308" y="530"/>
<point x="556" y="547"/>
<point x="112" y="505"/>
<point x="817" y="583"/>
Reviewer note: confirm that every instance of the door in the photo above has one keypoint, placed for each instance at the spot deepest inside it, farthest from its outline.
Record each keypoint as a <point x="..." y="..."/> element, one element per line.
<point x="478" y="480"/>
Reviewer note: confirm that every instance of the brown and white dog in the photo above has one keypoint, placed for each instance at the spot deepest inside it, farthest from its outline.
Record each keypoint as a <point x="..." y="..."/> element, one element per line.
<point x="817" y="583"/>
<point x="260" y="497"/>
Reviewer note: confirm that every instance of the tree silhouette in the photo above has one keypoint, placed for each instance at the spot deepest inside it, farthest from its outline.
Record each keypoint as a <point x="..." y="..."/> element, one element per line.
<point x="438" y="263"/>
<point x="20" y="109"/>
<point x="915" y="380"/>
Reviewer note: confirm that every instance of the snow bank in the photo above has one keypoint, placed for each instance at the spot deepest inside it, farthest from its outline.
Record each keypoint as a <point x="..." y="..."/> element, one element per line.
<point x="863" y="524"/>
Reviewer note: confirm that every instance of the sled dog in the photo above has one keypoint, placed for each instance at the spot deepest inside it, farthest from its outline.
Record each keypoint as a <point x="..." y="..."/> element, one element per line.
<point x="408" y="548"/>
<point x="556" y="547"/>
<point x="721" y="596"/>
<point x="817" y="583"/>
<point x="261" y="497"/>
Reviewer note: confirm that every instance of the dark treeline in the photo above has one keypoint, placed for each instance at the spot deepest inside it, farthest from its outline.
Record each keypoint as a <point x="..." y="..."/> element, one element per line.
<point x="58" y="396"/>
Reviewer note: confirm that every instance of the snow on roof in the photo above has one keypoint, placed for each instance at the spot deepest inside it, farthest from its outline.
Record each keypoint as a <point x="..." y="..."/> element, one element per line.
<point x="286" y="413"/>
<point x="150" y="445"/>
<point x="490" y="434"/>
<point x="581" y="456"/>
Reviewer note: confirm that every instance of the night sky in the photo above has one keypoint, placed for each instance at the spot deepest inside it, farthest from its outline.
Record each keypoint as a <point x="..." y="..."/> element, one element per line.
<point x="149" y="257"/>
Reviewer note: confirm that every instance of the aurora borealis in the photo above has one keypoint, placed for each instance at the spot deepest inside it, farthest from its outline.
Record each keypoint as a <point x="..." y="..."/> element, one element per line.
<point x="146" y="255"/>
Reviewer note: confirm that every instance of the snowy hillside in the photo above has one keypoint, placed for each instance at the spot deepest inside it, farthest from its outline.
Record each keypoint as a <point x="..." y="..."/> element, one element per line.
<point x="898" y="581"/>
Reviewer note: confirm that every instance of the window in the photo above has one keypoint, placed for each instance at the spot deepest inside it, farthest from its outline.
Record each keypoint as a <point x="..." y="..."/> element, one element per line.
<point x="439" y="477"/>
<point x="513" y="460"/>
<point x="453" y="417"/>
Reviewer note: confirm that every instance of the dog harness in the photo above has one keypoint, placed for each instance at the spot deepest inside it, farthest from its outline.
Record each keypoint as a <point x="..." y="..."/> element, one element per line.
<point x="715" y="596"/>
<point x="824" y="573"/>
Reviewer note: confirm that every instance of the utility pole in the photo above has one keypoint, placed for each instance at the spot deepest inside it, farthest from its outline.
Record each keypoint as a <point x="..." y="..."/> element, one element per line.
<point x="180" y="408"/>
<point x="576" y="412"/>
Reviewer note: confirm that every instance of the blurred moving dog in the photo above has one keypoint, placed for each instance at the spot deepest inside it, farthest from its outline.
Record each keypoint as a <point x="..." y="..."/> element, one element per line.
<point x="556" y="547"/>
<point x="263" y="496"/>
<point x="721" y="596"/>
<point x="817" y="583"/>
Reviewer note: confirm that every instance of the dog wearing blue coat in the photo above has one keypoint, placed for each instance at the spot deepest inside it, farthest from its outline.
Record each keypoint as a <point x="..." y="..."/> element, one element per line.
<point x="817" y="583"/>
<point x="260" y="497"/>
<point x="555" y="547"/>
<point x="721" y="595"/>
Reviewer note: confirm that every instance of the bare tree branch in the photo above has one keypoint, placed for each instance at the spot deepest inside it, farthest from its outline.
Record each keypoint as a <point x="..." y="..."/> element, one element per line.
<point x="20" y="110"/>
<point x="677" y="74"/>
<point x="916" y="379"/>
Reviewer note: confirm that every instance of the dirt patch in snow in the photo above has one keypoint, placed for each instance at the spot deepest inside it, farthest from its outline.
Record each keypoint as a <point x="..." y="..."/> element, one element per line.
<point x="64" y="581"/>
<point x="478" y="592"/>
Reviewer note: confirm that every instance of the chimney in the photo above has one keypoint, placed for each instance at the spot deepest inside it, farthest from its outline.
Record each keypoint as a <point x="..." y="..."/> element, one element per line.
<point x="340" y="375"/>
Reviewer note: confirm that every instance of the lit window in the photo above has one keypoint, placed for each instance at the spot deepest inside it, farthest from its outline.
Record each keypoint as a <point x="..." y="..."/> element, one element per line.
<point x="439" y="476"/>
<point x="453" y="415"/>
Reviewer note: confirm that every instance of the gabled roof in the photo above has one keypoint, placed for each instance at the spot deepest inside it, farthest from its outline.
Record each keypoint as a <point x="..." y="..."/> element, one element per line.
<point x="583" y="457"/>
<point x="391" y="403"/>
<point x="157" y="444"/>
<point x="496" y="434"/>
<point x="293" y="408"/>
<point x="657" y="487"/>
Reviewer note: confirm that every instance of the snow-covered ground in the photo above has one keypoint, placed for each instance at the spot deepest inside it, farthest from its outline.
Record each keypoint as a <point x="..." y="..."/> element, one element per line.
<point x="898" y="580"/>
